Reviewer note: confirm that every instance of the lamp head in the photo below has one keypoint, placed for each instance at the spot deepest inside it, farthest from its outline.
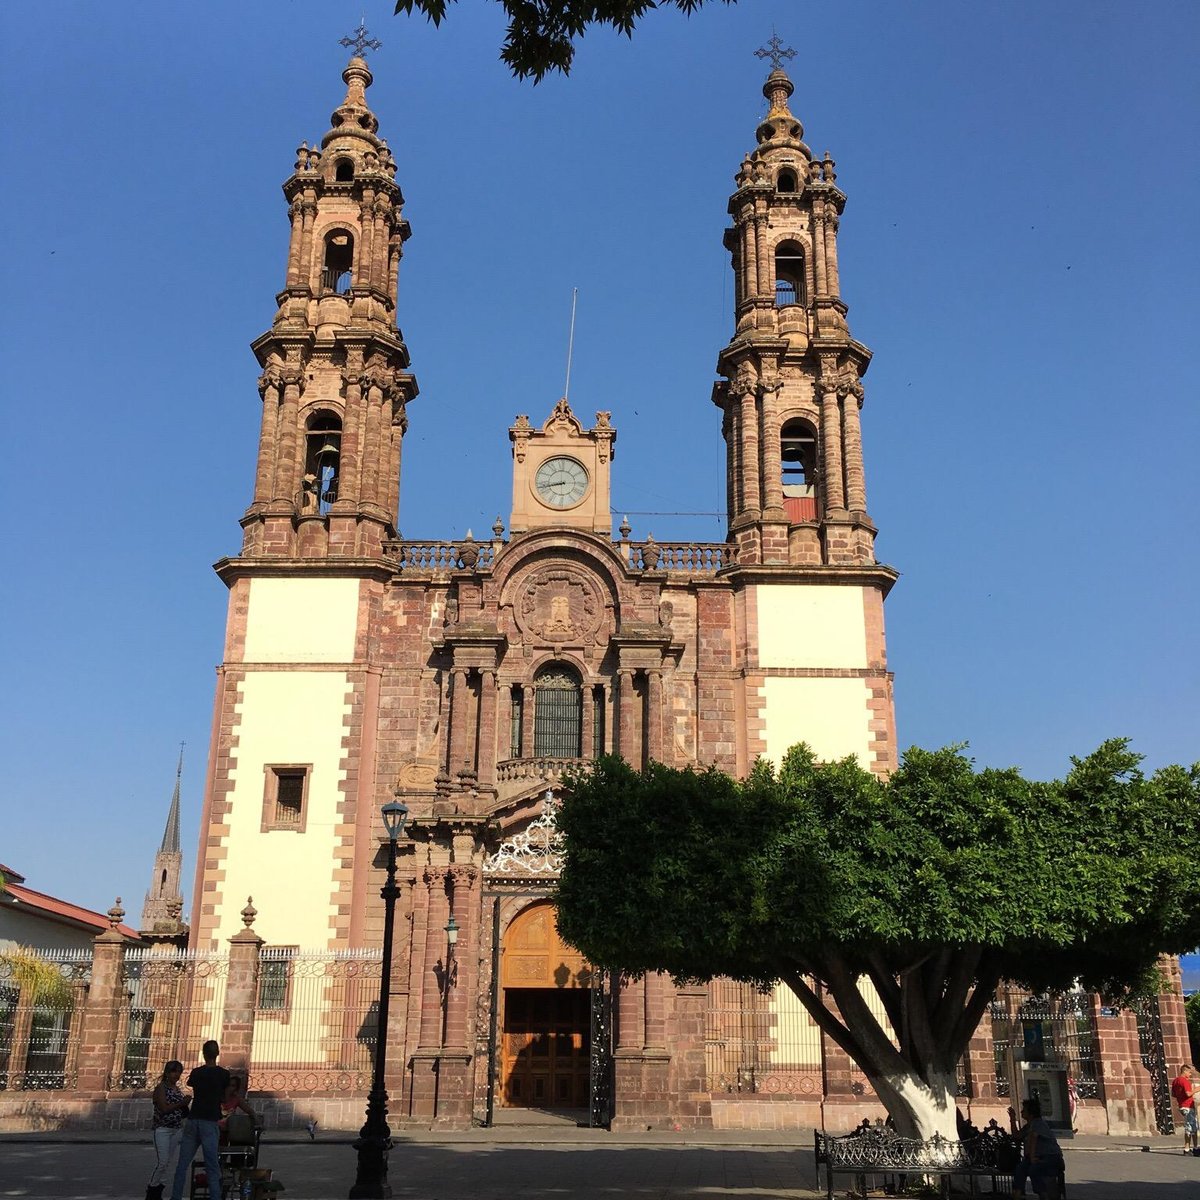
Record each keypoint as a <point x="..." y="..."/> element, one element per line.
<point x="395" y="817"/>
<point x="451" y="930"/>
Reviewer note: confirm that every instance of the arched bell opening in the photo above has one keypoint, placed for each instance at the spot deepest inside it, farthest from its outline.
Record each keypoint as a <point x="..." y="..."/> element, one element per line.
<point x="789" y="274"/>
<point x="338" y="265"/>
<point x="798" y="459"/>
<point x="323" y="448"/>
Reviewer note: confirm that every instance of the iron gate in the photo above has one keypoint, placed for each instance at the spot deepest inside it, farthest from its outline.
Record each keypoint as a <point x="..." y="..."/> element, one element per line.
<point x="1154" y="1059"/>
<point x="600" y="1098"/>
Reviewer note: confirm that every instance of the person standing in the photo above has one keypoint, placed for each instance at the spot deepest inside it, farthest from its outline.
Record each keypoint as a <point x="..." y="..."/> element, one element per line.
<point x="170" y="1109"/>
<point x="201" y="1129"/>
<point x="1183" y="1090"/>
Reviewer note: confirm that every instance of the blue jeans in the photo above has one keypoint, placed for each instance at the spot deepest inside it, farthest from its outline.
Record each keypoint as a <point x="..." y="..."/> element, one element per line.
<point x="1038" y="1173"/>
<point x="205" y="1135"/>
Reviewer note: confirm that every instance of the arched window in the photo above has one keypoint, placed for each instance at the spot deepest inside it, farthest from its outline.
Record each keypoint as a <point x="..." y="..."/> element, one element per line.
<point x="798" y="455"/>
<point x="786" y="180"/>
<point x="339" y="261"/>
<point x="323" y="448"/>
<point x="789" y="274"/>
<point x="343" y="172"/>
<point x="557" y="712"/>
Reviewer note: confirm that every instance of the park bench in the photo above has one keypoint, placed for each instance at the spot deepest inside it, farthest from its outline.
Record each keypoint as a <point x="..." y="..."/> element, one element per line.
<point x="893" y="1163"/>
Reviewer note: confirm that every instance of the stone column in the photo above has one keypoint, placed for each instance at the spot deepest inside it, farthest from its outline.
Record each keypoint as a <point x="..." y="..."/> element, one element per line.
<point x="820" y="272"/>
<point x="423" y="1091"/>
<point x="268" y="387"/>
<point x="98" y="1028"/>
<point x="831" y="447"/>
<point x="654" y="715"/>
<point x="308" y="218"/>
<point x="528" y="706"/>
<point x="772" y="484"/>
<point x="751" y="493"/>
<point x="457" y="749"/>
<point x="749" y="259"/>
<point x="730" y="427"/>
<point x="241" y="995"/>
<point x="830" y="246"/>
<point x="296" y="214"/>
<point x="504" y="717"/>
<point x="350" y="457"/>
<point x="463" y="877"/>
<point x="856" y="486"/>
<point x="655" y="1020"/>
<point x="379" y="265"/>
<point x="625" y="718"/>
<point x="364" y="266"/>
<point x="433" y="976"/>
<point x="371" y="457"/>
<point x="287" y="470"/>
<point x="485" y="765"/>
<point x="587" y="721"/>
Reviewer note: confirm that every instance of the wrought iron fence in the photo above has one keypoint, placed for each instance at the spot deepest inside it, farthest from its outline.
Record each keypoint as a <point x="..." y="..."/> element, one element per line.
<point x="315" y="1020"/>
<point x="1055" y="1031"/>
<point x="760" y="1043"/>
<point x="40" y="1010"/>
<point x="173" y="1003"/>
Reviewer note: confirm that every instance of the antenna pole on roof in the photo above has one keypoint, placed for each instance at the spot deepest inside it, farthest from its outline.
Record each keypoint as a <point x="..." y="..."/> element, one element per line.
<point x="570" y="344"/>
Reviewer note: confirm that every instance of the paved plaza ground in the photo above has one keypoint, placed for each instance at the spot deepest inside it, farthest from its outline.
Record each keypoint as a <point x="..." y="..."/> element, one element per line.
<point x="503" y="1164"/>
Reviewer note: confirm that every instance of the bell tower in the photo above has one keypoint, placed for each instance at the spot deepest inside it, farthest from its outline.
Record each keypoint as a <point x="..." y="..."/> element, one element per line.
<point x="335" y="382"/>
<point x="792" y="389"/>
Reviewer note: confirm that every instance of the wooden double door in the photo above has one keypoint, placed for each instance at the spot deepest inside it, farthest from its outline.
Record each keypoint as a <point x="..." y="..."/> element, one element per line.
<point x="546" y="1047"/>
<point x="545" y="1019"/>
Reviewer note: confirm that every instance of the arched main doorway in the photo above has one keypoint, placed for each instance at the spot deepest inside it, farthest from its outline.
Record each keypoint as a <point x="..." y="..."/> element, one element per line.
<point x="545" y="998"/>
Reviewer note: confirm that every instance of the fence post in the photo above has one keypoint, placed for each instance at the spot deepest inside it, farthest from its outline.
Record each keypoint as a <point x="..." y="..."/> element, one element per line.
<point x="241" y="995"/>
<point x="98" y="1029"/>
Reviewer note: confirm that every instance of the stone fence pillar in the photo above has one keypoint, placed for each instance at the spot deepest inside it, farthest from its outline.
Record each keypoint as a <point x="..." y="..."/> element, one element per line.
<point x="102" y="1008"/>
<point x="241" y="995"/>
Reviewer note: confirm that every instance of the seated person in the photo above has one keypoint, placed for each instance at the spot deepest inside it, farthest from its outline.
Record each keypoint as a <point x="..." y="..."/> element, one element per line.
<point x="233" y="1101"/>
<point x="1041" y="1156"/>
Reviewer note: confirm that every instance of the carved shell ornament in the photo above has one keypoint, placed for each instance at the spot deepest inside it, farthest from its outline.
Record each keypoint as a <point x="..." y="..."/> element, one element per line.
<point x="559" y="605"/>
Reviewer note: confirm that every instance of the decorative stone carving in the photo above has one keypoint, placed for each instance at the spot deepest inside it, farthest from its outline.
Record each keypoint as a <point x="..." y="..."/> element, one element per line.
<point x="416" y="777"/>
<point x="559" y="605"/>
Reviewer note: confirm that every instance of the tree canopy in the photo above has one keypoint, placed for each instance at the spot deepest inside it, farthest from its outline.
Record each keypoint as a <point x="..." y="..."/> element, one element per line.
<point x="934" y="885"/>
<point x="541" y="33"/>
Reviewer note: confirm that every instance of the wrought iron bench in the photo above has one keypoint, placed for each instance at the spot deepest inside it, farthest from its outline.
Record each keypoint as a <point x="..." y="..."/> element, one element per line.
<point x="874" y="1150"/>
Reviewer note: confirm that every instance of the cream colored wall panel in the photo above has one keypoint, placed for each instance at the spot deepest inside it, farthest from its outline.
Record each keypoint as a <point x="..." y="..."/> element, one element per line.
<point x="809" y="625"/>
<point x="302" y="620"/>
<point x="831" y="715"/>
<point x="285" y="717"/>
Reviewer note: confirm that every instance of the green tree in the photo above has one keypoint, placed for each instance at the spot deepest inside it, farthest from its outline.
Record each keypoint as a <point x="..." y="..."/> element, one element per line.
<point x="541" y="33"/>
<point x="1192" y="1009"/>
<point x="933" y="885"/>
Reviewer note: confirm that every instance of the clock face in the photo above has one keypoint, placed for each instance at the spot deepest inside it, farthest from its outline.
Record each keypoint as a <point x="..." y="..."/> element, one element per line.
<point x="561" y="482"/>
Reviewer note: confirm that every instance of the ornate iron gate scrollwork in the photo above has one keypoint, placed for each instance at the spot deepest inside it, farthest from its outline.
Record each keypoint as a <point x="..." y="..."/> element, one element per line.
<point x="600" y="1092"/>
<point x="1154" y="1059"/>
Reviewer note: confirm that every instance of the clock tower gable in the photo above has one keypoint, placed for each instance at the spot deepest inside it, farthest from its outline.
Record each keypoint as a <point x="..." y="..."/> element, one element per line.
<point x="562" y="472"/>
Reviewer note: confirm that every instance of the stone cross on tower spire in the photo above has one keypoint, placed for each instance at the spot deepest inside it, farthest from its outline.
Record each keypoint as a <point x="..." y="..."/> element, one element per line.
<point x="775" y="50"/>
<point x="360" y="41"/>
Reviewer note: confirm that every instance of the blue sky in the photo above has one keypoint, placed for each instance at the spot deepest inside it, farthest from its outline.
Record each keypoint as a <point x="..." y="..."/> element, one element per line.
<point x="1018" y="249"/>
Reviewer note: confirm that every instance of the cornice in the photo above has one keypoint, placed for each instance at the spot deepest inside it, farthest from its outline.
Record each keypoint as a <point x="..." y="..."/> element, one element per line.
<point x="232" y="568"/>
<point x="876" y="575"/>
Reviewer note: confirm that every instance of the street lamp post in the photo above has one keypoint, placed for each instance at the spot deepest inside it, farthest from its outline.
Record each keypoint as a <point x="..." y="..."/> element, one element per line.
<point x="375" y="1137"/>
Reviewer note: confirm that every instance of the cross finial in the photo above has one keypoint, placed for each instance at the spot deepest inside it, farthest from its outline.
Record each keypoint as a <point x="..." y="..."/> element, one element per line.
<point x="360" y="41"/>
<point x="776" y="51"/>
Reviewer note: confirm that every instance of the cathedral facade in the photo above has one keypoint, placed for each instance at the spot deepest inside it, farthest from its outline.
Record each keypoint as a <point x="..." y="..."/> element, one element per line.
<point x="465" y="677"/>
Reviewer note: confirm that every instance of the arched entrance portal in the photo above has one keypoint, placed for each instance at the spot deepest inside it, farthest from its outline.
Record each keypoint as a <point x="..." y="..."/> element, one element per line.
<point x="546" y="1020"/>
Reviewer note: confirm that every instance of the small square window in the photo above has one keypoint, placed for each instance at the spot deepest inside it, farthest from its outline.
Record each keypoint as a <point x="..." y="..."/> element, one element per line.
<point x="285" y="799"/>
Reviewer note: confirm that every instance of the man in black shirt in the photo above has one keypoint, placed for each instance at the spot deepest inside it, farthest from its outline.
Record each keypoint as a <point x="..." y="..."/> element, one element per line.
<point x="200" y="1130"/>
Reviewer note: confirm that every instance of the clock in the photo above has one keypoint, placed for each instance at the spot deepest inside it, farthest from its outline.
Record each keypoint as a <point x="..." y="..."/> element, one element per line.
<point x="561" y="482"/>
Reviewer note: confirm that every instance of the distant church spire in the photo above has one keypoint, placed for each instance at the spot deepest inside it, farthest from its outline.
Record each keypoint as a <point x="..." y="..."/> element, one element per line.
<point x="170" y="837"/>
<point x="164" y="903"/>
